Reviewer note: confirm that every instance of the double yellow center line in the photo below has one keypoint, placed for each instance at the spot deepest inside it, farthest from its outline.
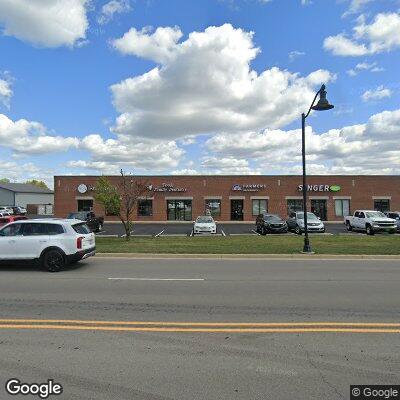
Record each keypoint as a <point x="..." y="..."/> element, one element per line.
<point x="207" y="327"/>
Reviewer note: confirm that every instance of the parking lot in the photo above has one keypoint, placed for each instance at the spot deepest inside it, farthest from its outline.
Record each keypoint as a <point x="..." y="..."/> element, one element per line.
<point x="185" y="229"/>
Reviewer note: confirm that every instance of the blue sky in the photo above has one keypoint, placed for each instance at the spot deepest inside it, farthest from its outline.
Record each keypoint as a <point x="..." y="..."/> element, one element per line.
<point x="189" y="87"/>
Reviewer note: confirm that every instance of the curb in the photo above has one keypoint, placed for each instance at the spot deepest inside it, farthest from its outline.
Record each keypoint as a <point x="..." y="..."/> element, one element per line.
<point x="251" y="256"/>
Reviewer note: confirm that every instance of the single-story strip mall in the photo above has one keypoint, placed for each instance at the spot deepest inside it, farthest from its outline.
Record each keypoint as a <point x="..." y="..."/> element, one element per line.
<point x="236" y="198"/>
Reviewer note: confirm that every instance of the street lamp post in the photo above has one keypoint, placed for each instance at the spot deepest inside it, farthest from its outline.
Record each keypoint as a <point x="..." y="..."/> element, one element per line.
<point x="322" y="105"/>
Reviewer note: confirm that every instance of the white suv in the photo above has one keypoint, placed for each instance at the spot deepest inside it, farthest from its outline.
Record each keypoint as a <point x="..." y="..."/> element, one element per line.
<point x="54" y="242"/>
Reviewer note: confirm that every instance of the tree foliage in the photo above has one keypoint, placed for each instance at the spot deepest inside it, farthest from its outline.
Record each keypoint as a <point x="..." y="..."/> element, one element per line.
<point x="38" y="183"/>
<point x="4" y="180"/>
<point x="122" y="199"/>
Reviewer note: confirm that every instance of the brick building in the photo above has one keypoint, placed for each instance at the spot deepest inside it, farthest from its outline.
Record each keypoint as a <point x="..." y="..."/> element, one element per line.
<point x="237" y="198"/>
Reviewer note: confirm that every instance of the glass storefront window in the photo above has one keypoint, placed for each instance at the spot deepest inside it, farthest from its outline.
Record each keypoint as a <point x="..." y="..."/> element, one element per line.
<point x="342" y="208"/>
<point x="382" y="205"/>
<point x="145" y="208"/>
<point x="260" y="206"/>
<point x="294" y="205"/>
<point x="179" y="210"/>
<point x="85" y="205"/>
<point x="213" y="207"/>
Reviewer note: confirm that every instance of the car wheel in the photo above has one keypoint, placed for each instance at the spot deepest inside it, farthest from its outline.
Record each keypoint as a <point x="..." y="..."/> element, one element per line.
<point x="349" y="227"/>
<point x="53" y="260"/>
<point x="297" y="230"/>
<point x="369" y="230"/>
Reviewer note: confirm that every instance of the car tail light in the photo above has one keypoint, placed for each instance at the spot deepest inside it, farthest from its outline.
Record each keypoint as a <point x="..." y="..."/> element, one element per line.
<point x="79" y="242"/>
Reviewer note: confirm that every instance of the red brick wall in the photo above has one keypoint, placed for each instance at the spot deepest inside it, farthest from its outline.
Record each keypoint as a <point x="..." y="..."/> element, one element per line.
<point x="361" y="189"/>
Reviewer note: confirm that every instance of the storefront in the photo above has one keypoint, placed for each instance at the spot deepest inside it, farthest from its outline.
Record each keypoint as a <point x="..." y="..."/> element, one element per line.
<point x="236" y="198"/>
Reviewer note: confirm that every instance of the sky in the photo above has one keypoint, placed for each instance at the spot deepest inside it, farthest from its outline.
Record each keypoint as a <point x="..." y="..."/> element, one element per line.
<point x="190" y="87"/>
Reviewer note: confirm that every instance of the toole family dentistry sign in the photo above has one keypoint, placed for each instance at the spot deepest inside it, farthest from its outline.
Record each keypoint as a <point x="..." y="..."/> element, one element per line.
<point x="320" y="188"/>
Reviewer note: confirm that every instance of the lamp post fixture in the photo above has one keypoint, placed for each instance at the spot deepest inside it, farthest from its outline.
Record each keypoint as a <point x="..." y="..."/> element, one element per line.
<point x="322" y="105"/>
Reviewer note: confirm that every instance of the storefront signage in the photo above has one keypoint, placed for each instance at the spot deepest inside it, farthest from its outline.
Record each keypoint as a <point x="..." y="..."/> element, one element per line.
<point x="248" y="187"/>
<point x="82" y="188"/>
<point x="166" y="187"/>
<point x="320" y="188"/>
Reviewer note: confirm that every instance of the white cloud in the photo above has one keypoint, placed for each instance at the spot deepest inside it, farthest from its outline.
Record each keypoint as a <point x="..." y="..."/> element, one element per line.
<point x="6" y="91"/>
<point x="145" y="154"/>
<point x="383" y="34"/>
<point x="29" y="137"/>
<point x="364" y="66"/>
<point x="185" y="171"/>
<point x="228" y="166"/>
<point x="21" y="172"/>
<point x="111" y="8"/>
<point x="376" y="94"/>
<point x="295" y="54"/>
<point x="205" y="85"/>
<point x="355" y="6"/>
<point x="45" y="23"/>
<point x="355" y="149"/>
<point x="158" y="46"/>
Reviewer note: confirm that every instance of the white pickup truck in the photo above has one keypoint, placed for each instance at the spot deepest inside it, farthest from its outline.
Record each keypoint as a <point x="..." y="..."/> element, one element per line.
<point x="370" y="221"/>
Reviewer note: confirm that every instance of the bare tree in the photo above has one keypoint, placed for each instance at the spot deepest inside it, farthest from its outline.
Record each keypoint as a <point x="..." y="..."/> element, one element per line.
<point x="121" y="200"/>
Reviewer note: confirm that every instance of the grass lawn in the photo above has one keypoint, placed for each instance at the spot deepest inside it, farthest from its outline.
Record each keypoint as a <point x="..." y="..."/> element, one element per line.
<point x="339" y="244"/>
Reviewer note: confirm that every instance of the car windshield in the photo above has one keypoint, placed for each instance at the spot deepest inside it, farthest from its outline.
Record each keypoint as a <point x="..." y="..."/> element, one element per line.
<point x="271" y="217"/>
<point x="309" y="216"/>
<point x="77" y="215"/>
<point x="205" y="220"/>
<point x="375" y="214"/>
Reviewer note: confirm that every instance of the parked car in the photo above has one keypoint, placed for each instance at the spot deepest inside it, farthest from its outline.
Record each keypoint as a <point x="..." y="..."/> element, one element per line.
<point x="7" y="209"/>
<point x="4" y="214"/>
<point x="270" y="223"/>
<point x="371" y="222"/>
<point x="53" y="242"/>
<point x="394" y="215"/>
<point x="11" y="218"/>
<point x="295" y="223"/>
<point x="94" y="223"/>
<point x="204" y="224"/>
<point x="19" y="210"/>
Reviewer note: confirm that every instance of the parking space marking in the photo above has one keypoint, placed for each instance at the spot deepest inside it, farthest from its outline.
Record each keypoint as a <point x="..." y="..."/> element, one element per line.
<point x="109" y="236"/>
<point x="156" y="279"/>
<point x="124" y="235"/>
<point x="159" y="233"/>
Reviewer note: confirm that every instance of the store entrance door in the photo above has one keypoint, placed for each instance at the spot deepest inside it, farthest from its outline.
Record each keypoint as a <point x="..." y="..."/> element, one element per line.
<point x="237" y="210"/>
<point x="319" y="208"/>
<point x="179" y="210"/>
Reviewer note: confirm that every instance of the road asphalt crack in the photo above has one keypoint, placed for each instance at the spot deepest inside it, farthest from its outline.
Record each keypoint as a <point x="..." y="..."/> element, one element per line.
<point x="322" y="376"/>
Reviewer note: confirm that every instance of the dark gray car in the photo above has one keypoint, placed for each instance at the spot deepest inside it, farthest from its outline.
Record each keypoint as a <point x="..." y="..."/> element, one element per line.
<point x="394" y="215"/>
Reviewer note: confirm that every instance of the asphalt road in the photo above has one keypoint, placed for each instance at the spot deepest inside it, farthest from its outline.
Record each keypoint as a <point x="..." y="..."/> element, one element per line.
<point x="171" y="361"/>
<point x="185" y="229"/>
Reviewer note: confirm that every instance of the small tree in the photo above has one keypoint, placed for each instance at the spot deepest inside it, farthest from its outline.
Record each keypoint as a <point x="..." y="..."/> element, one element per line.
<point x="4" y="180"/>
<point x="121" y="200"/>
<point x="35" y="182"/>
